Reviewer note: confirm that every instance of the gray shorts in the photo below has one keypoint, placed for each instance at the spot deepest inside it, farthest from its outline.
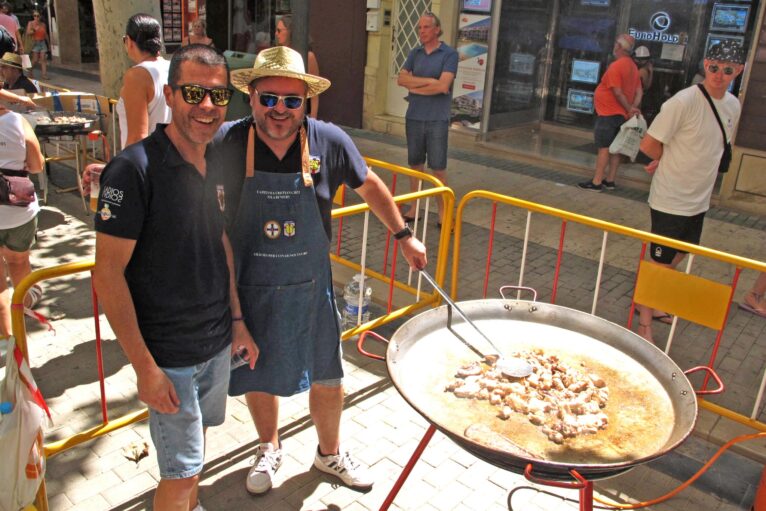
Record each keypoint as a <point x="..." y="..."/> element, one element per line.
<point x="427" y="139"/>
<point x="21" y="238"/>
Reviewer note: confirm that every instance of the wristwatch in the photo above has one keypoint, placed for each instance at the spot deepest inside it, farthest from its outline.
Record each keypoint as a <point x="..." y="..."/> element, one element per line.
<point x="406" y="232"/>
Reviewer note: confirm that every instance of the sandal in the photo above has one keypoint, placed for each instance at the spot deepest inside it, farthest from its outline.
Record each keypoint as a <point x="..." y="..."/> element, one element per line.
<point x="407" y="214"/>
<point x="754" y="303"/>
<point x="662" y="317"/>
<point x="34" y="294"/>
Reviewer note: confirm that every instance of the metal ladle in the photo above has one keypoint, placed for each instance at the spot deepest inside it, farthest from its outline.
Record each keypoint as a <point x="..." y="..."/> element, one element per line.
<point x="510" y="366"/>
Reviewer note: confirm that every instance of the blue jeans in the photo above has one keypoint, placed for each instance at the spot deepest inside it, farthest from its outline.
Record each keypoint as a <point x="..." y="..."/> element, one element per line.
<point x="179" y="437"/>
<point x="427" y="138"/>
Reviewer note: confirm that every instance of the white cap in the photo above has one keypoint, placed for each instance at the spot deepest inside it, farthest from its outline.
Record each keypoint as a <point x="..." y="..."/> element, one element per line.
<point x="642" y="52"/>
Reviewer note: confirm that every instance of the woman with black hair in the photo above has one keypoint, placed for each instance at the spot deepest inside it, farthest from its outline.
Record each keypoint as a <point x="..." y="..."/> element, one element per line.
<point x="142" y="103"/>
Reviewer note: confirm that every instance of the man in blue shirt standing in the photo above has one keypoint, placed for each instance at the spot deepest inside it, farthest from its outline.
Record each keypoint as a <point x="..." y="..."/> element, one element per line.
<point x="428" y="74"/>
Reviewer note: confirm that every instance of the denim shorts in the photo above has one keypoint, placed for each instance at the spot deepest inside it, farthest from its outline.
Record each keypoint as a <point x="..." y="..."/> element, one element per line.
<point x="678" y="227"/>
<point x="179" y="437"/>
<point x="21" y="238"/>
<point x="427" y="138"/>
<point x="606" y="129"/>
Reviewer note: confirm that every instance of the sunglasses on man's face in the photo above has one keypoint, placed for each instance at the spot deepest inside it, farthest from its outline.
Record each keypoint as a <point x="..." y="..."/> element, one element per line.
<point x="727" y="70"/>
<point x="270" y="100"/>
<point x="194" y="94"/>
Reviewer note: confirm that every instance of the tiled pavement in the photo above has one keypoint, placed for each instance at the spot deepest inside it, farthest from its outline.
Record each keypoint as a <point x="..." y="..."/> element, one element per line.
<point x="377" y="424"/>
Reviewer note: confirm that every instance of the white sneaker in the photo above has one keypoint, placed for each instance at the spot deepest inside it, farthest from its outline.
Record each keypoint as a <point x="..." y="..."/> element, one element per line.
<point x="345" y="467"/>
<point x="267" y="462"/>
<point x="198" y="507"/>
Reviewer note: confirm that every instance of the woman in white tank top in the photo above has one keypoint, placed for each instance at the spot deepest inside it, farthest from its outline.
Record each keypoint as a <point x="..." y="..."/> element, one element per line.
<point x="142" y="103"/>
<point x="19" y="150"/>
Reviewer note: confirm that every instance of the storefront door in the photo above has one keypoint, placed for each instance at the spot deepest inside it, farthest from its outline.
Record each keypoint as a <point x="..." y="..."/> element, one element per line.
<point x="522" y="62"/>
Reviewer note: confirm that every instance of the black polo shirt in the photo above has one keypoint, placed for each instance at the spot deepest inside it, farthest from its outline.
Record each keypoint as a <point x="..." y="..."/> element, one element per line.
<point x="177" y="275"/>
<point x="334" y="161"/>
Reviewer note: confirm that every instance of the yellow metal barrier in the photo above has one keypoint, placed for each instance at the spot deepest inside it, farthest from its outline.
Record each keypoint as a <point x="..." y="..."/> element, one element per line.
<point x="690" y="282"/>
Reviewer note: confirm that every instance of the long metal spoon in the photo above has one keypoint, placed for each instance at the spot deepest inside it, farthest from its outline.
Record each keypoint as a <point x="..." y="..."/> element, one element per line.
<point x="509" y="366"/>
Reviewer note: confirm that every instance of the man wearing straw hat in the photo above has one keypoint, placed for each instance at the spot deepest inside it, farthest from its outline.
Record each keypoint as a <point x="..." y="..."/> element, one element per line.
<point x="279" y="173"/>
<point x="13" y="74"/>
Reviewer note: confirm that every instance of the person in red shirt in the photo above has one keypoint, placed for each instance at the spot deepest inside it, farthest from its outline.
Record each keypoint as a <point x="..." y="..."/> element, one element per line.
<point x="617" y="98"/>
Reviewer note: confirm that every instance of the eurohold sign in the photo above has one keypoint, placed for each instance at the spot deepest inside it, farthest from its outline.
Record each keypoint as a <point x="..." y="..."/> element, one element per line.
<point x="659" y="23"/>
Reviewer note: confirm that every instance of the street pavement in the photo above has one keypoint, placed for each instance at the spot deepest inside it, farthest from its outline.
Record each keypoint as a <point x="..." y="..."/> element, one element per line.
<point x="378" y="425"/>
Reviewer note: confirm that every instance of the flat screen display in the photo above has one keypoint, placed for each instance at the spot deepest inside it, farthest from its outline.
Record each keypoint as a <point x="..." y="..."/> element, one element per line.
<point x="580" y="101"/>
<point x="599" y="3"/>
<point x="729" y="18"/>
<point x="585" y="71"/>
<point x="477" y="5"/>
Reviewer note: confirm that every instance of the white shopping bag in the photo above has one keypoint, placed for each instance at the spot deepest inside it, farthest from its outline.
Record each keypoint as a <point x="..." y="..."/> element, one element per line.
<point x="629" y="138"/>
<point x="21" y="434"/>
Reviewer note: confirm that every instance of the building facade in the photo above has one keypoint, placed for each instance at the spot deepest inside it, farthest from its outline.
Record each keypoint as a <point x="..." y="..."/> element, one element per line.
<point x="531" y="67"/>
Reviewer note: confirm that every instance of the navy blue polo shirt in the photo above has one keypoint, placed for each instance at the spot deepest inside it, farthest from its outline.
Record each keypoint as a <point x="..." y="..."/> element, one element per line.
<point x="177" y="274"/>
<point x="334" y="157"/>
<point x="419" y="63"/>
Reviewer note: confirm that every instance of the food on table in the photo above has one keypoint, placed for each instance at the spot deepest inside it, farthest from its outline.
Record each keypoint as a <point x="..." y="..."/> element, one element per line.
<point x="563" y="401"/>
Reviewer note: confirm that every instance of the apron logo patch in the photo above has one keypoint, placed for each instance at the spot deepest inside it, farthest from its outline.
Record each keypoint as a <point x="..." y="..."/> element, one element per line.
<point x="272" y="229"/>
<point x="289" y="229"/>
<point x="315" y="164"/>
<point x="219" y="192"/>
<point x="105" y="213"/>
<point x="657" y="251"/>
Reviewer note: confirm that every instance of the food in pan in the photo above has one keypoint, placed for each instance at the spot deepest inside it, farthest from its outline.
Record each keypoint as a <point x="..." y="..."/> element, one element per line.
<point x="563" y="401"/>
<point x="63" y="119"/>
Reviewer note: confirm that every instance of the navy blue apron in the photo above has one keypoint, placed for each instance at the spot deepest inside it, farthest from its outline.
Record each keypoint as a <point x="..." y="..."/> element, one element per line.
<point x="284" y="280"/>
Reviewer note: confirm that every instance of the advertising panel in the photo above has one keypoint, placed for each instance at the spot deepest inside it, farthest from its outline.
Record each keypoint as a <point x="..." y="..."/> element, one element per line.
<point x="468" y="88"/>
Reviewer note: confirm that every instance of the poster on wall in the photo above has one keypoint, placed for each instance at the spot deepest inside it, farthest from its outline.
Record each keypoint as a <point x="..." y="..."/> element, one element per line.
<point x="580" y="101"/>
<point x="468" y="88"/>
<point x="729" y="18"/>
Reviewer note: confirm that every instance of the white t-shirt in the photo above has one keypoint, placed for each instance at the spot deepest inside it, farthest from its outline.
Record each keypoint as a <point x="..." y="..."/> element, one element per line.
<point x="13" y="154"/>
<point x="159" y="111"/>
<point x="692" y="149"/>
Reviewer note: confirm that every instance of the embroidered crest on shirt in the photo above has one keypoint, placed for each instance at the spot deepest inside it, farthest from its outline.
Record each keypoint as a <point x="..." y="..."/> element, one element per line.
<point x="219" y="192"/>
<point x="105" y="213"/>
<point x="289" y="229"/>
<point x="315" y="164"/>
<point x="272" y="230"/>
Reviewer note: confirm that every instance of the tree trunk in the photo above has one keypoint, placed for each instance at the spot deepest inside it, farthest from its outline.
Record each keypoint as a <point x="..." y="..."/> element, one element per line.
<point x="111" y="18"/>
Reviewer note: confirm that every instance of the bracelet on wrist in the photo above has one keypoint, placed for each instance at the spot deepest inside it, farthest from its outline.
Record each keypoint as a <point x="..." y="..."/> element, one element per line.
<point x="237" y="318"/>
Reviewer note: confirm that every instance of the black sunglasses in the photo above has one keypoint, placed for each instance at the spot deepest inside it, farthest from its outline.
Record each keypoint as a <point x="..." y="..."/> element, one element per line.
<point x="194" y="94"/>
<point x="270" y="100"/>
<point x="727" y="70"/>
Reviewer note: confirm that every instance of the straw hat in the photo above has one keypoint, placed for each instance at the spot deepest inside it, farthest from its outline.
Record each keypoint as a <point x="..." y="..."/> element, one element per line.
<point x="279" y="61"/>
<point x="11" y="60"/>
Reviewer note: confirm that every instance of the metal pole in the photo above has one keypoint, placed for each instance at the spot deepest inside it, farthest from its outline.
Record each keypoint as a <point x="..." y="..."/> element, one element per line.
<point x="300" y="31"/>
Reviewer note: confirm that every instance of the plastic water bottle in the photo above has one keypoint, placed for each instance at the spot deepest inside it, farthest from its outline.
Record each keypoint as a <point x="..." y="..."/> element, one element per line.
<point x="350" y="313"/>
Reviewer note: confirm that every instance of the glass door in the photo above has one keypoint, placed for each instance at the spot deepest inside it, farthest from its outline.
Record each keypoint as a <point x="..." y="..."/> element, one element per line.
<point x="521" y="62"/>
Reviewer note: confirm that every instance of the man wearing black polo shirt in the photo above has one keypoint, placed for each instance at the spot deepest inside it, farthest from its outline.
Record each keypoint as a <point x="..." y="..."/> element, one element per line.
<point x="164" y="277"/>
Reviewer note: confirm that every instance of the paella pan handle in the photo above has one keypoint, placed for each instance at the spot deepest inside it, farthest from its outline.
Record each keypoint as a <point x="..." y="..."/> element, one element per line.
<point x="580" y="481"/>
<point x="721" y="386"/>
<point x="360" y="344"/>
<point x="503" y="289"/>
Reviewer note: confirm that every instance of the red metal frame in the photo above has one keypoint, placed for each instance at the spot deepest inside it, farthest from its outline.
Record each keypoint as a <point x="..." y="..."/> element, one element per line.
<point x="99" y="353"/>
<point x="584" y="486"/>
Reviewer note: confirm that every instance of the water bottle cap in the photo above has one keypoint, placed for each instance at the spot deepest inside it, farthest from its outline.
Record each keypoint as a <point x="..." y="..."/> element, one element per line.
<point x="6" y="407"/>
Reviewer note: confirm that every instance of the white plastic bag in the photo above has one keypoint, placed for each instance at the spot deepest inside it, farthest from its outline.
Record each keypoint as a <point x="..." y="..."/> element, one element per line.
<point x="629" y="138"/>
<point x="21" y="434"/>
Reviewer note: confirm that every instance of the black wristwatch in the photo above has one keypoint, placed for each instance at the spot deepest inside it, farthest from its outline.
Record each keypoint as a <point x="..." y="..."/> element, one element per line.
<point x="404" y="233"/>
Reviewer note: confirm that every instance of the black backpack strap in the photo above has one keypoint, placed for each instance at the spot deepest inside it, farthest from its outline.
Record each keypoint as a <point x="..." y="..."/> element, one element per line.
<point x="715" y="112"/>
<point x="15" y="173"/>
